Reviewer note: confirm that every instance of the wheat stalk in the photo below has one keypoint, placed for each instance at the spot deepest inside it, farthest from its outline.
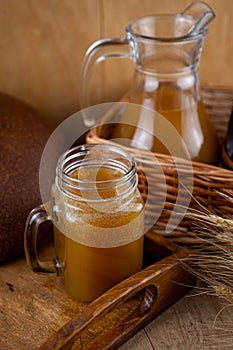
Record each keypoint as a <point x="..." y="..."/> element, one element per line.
<point x="212" y="260"/>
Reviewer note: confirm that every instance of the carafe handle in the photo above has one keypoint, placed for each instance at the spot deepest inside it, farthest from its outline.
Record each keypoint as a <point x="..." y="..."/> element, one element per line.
<point x="99" y="51"/>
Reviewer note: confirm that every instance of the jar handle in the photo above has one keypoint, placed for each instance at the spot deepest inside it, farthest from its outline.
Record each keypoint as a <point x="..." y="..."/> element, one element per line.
<point x="35" y="218"/>
<point x="99" y="51"/>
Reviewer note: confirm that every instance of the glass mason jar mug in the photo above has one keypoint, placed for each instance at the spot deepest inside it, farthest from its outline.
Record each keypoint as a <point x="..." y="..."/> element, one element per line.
<point x="98" y="218"/>
<point x="166" y="51"/>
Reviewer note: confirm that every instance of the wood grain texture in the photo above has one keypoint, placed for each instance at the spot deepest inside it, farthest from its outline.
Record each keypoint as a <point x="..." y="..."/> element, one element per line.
<point x="187" y="325"/>
<point x="28" y="312"/>
<point x="191" y="324"/>
<point x="43" y="44"/>
<point x="42" y="47"/>
<point x="40" y="313"/>
<point x="144" y="295"/>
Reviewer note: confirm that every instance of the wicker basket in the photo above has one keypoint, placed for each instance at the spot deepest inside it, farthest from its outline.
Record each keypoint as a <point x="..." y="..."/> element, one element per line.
<point x="209" y="183"/>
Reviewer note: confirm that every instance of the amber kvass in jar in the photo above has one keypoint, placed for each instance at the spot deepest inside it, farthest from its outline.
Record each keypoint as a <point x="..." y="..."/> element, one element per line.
<point x="98" y="217"/>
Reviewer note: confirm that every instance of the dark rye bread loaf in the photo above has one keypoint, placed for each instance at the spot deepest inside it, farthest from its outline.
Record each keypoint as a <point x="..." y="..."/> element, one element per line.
<point x="23" y="135"/>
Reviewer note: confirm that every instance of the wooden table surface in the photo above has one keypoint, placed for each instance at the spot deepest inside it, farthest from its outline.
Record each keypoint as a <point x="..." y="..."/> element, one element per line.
<point x="190" y="324"/>
<point x="30" y="305"/>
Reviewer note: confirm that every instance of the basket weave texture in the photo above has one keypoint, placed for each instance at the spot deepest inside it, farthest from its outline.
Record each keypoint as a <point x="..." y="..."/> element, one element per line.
<point x="167" y="177"/>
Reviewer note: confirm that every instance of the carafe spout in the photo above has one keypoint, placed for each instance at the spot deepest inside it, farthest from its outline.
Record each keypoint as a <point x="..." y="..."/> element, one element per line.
<point x="202" y="15"/>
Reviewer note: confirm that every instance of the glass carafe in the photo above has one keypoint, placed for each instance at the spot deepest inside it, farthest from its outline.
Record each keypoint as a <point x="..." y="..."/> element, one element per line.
<point x="166" y="51"/>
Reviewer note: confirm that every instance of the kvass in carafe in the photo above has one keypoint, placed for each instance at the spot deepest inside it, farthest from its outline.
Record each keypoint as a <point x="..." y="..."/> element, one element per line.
<point x="166" y="52"/>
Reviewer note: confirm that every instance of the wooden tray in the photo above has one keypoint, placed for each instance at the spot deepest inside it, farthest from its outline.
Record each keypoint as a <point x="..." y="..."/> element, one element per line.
<point x="141" y="298"/>
<point x="130" y="305"/>
<point x="37" y="312"/>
